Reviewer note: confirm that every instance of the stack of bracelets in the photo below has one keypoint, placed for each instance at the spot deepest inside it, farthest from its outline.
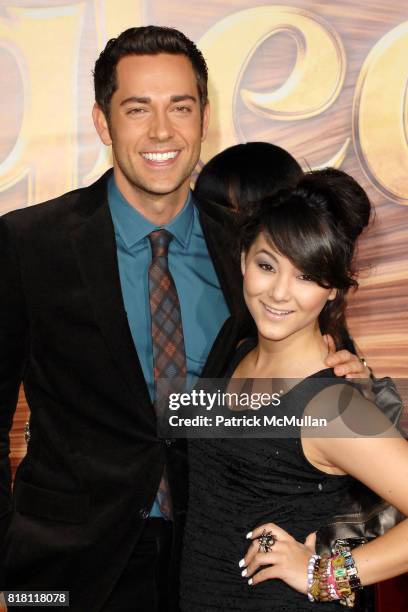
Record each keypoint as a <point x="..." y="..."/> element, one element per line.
<point x="333" y="578"/>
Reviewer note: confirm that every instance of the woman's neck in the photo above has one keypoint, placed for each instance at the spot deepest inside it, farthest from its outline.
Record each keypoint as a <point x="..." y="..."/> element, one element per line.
<point x="297" y="356"/>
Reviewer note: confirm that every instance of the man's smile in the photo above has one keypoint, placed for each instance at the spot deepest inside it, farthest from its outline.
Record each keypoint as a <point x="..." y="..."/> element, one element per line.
<point x="160" y="156"/>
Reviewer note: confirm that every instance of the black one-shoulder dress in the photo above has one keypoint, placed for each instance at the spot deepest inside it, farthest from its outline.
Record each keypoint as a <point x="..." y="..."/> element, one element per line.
<point x="238" y="484"/>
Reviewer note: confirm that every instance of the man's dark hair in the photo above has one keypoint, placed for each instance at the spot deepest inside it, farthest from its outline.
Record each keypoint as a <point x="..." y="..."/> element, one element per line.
<point x="145" y="40"/>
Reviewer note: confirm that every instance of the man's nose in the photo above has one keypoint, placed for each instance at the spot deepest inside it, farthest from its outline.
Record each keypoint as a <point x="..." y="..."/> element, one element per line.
<point x="161" y="127"/>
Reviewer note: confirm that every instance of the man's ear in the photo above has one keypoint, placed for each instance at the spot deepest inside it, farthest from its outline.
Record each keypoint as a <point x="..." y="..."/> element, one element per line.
<point x="205" y="121"/>
<point x="101" y="124"/>
<point x="243" y="262"/>
<point x="332" y="294"/>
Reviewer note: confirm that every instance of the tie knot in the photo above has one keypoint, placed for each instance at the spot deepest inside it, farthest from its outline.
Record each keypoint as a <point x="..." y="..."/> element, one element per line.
<point x="159" y="241"/>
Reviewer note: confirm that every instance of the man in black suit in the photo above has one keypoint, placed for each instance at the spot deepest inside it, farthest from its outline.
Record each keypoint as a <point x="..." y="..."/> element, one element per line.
<point x="84" y="515"/>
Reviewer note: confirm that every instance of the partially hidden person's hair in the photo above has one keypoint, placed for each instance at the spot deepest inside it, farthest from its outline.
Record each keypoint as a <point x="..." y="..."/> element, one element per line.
<point x="246" y="173"/>
<point x="145" y="40"/>
<point x="316" y="225"/>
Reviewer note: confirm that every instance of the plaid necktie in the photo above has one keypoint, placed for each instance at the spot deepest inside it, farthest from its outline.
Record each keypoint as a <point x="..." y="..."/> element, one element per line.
<point x="169" y="355"/>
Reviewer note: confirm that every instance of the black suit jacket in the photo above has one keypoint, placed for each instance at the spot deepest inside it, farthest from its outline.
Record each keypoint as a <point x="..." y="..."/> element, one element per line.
<point x="94" y="461"/>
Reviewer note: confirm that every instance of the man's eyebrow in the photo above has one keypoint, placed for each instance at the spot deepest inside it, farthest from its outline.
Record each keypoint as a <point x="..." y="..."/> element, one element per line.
<point x="147" y="100"/>
<point x="135" y="100"/>
<point x="183" y="97"/>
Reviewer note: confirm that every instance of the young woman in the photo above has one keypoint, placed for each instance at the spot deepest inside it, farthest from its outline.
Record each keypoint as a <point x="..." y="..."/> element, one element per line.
<point x="255" y="503"/>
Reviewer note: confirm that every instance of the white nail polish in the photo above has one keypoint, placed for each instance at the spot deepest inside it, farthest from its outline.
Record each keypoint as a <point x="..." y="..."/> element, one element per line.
<point x="250" y="581"/>
<point x="242" y="563"/>
<point x="249" y="535"/>
<point x="244" y="573"/>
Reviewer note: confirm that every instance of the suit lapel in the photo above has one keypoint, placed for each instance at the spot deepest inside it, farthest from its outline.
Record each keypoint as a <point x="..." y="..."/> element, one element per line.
<point x="95" y="247"/>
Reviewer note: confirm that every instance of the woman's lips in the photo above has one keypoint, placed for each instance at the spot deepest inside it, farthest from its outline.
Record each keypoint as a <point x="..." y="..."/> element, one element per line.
<point x="276" y="313"/>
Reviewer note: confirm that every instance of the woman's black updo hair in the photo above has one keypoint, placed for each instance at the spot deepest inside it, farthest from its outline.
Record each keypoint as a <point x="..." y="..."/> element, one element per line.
<point x="315" y="225"/>
<point x="246" y="173"/>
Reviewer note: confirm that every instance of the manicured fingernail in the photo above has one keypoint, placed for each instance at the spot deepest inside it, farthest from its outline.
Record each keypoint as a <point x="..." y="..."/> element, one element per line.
<point x="244" y="573"/>
<point x="242" y="563"/>
<point x="249" y="535"/>
<point x="250" y="582"/>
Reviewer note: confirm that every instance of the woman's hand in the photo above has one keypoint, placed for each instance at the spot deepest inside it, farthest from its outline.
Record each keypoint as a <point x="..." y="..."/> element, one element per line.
<point x="287" y="559"/>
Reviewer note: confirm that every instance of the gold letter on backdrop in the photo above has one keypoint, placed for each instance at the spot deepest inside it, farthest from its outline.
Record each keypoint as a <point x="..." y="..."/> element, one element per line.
<point x="380" y="115"/>
<point x="313" y="85"/>
<point x="44" y="43"/>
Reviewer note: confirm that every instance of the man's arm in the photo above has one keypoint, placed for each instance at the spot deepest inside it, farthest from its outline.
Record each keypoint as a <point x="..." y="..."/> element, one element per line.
<point x="13" y="333"/>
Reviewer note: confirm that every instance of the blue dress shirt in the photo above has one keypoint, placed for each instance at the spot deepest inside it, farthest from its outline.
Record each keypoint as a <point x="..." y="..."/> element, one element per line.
<point x="202" y="304"/>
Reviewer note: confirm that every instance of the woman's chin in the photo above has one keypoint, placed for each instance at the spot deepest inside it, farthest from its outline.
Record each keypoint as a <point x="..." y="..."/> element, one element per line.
<point x="274" y="333"/>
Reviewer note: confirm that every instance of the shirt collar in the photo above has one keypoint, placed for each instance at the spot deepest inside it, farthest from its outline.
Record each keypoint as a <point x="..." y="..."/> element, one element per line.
<point x="133" y="227"/>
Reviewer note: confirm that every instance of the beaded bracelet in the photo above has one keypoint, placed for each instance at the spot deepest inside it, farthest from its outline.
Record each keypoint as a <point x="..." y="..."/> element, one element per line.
<point x="331" y="582"/>
<point x="321" y="584"/>
<point x="333" y="578"/>
<point x="342" y="581"/>
<point x="327" y="583"/>
<point x="310" y="576"/>
<point x="342" y="549"/>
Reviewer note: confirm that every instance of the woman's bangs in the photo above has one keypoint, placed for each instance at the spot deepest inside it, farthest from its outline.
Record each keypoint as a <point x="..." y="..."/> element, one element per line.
<point x="300" y="236"/>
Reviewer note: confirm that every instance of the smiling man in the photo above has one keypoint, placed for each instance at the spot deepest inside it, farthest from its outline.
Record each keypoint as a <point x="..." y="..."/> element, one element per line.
<point x="102" y="292"/>
<point x="155" y="122"/>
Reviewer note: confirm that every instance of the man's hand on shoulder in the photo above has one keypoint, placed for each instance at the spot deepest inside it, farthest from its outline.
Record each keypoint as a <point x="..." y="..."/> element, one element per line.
<point x="345" y="363"/>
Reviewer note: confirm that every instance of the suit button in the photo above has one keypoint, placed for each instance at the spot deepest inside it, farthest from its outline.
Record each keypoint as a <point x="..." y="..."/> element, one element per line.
<point x="169" y="442"/>
<point x="143" y="513"/>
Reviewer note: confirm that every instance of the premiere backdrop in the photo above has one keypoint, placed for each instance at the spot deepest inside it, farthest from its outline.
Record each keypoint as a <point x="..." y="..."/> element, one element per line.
<point x="326" y="80"/>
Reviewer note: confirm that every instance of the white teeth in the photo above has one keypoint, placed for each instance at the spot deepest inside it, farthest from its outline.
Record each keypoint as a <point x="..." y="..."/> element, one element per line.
<point x="277" y="312"/>
<point x="160" y="157"/>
